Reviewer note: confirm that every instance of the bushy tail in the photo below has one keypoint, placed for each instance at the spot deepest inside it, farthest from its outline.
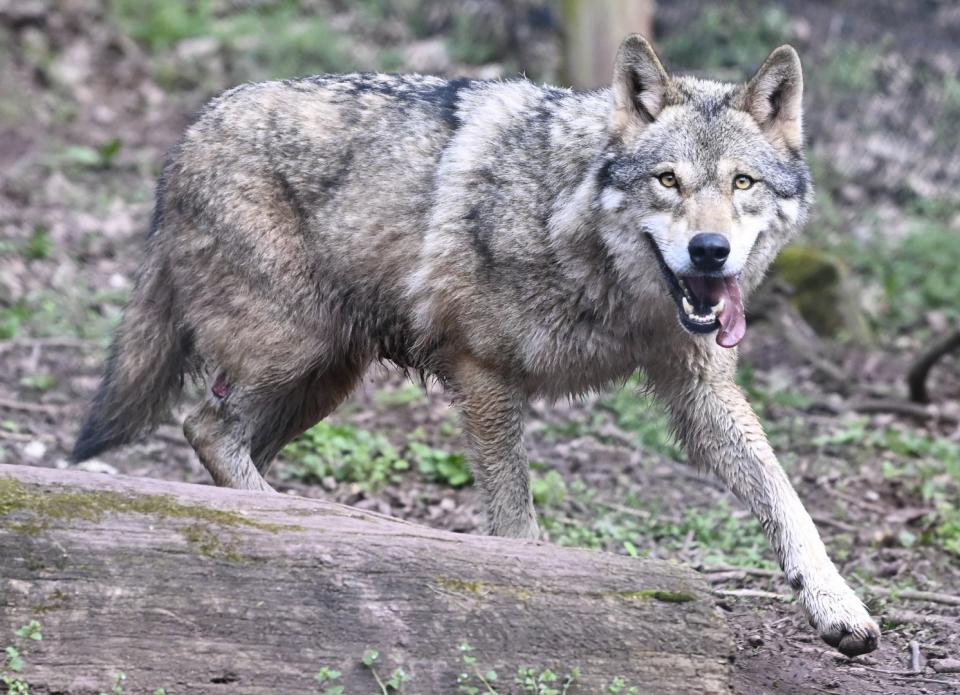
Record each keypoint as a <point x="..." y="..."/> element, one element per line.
<point x="143" y="372"/>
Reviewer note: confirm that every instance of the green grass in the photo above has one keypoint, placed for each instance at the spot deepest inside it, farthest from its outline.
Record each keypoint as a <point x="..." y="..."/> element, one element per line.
<point x="735" y="36"/>
<point x="924" y="466"/>
<point x="346" y="453"/>
<point x="723" y="536"/>
<point x="403" y="395"/>
<point x="350" y="454"/>
<point x="49" y="313"/>
<point x="850" y="70"/>
<point x="467" y="46"/>
<point x="634" y="411"/>
<point x="159" y="25"/>
<point x="639" y="414"/>
<point x="257" y="41"/>
<point x="39" y="245"/>
<point x="918" y="273"/>
<point x="905" y="274"/>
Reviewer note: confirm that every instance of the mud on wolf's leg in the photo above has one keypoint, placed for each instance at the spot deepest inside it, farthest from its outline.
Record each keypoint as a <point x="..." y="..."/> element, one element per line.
<point x="721" y="432"/>
<point x="492" y="414"/>
<point x="219" y="430"/>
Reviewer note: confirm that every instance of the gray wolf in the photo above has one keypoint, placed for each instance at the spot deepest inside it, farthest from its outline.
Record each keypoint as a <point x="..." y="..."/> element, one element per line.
<point x="509" y="239"/>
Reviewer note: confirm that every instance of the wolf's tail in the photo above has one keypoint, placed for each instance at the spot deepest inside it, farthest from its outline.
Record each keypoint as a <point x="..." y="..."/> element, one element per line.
<point x="144" y="370"/>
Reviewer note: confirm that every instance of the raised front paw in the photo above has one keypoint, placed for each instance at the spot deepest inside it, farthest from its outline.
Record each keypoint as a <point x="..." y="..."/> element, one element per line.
<point x="841" y="619"/>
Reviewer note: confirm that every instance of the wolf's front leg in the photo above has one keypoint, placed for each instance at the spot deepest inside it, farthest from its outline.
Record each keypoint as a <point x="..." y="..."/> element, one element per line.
<point x="492" y="413"/>
<point x="721" y="432"/>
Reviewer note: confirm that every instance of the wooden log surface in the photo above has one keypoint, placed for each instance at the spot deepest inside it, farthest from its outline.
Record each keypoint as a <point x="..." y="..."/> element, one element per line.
<point x="197" y="589"/>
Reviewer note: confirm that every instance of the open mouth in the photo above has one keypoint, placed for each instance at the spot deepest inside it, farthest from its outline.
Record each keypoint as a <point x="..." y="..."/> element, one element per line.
<point x="706" y="303"/>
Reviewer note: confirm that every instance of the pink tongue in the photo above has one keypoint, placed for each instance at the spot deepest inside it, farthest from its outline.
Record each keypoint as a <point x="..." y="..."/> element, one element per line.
<point x="733" y="322"/>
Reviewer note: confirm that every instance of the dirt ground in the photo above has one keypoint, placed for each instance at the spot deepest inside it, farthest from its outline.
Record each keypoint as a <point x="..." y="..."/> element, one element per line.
<point x="84" y="123"/>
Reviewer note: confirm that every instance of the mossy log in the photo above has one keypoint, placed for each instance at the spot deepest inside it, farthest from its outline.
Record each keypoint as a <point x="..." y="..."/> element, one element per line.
<point x="196" y="589"/>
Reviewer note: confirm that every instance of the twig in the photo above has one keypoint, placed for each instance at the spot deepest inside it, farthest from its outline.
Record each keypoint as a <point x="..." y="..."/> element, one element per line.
<point x="914" y="595"/>
<point x="869" y="506"/>
<point x="624" y="509"/>
<point x="917" y="376"/>
<point x="833" y="523"/>
<point x="65" y="343"/>
<point x="909" y="594"/>
<point x="31" y="407"/>
<point x="17" y="436"/>
<point x="870" y="406"/>
<point x="915" y="664"/>
<point x="804" y="342"/>
<point x="751" y="593"/>
<point x="905" y="616"/>
<point x="722" y="577"/>
<point x="905" y="408"/>
<point x="887" y="671"/>
<point x="918" y="679"/>
<point x="901" y="675"/>
<point x="755" y="571"/>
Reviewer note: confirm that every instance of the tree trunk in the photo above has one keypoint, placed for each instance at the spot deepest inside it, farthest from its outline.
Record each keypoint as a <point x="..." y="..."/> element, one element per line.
<point x="593" y="31"/>
<point x="196" y="589"/>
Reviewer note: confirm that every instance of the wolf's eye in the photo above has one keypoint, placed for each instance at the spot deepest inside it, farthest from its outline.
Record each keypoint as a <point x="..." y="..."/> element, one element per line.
<point x="742" y="182"/>
<point x="668" y="179"/>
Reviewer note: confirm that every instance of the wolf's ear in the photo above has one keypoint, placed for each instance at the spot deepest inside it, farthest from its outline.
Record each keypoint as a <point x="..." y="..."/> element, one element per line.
<point x="639" y="85"/>
<point x="774" y="98"/>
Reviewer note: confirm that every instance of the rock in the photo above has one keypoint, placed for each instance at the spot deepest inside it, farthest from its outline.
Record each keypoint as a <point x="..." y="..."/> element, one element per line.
<point x="945" y="665"/>
<point x="95" y="466"/>
<point x="755" y="641"/>
<point x="35" y="450"/>
<point x="821" y="291"/>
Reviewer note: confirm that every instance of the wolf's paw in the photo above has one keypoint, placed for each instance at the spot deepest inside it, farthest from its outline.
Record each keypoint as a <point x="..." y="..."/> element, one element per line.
<point x="853" y="639"/>
<point x="841" y="619"/>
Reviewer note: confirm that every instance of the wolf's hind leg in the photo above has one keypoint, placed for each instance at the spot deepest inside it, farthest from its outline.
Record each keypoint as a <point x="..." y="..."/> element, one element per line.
<point x="312" y="399"/>
<point x="722" y="433"/>
<point x="492" y="412"/>
<point x="219" y="430"/>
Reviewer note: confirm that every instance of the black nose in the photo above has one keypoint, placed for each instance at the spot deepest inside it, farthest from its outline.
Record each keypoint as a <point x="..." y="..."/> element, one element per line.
<point x="709" y="251"/>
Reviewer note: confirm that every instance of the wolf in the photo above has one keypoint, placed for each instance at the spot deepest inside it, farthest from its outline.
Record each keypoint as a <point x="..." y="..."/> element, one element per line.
<point x="509" y="239"/>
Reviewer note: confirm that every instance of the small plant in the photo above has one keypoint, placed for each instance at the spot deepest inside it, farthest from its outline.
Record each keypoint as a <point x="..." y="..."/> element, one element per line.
<point x="394" y="682"/>
<point x="484" y="680"/>
<point x="118" y="680"/>
<point x="546" y="682"/>
<point x="345" y="453"/>
<point x="100" y="157"/>
<point x="39" y="245"/>
<point x="13" y="662"/>
<point x="474" y="681"/>
<point x="327" y="679"/>
<point x="31" y="631"/>
<point x="405" y="394"/>
<point x="618" y="686"/>
<point x="549" y="490"/>
<point x="43" y="381"/>
<point x="439" y="465"/>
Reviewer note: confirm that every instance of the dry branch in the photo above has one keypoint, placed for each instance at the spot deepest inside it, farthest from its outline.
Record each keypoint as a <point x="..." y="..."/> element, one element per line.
<point x="201" y="589"/>
<point x="917" y="376"/>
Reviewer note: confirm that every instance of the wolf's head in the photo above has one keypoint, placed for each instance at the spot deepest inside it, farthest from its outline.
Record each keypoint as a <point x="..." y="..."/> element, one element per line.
<point x="710" y="174"/>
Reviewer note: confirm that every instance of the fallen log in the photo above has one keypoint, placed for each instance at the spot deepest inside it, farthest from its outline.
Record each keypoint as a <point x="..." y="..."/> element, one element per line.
<point x="197" y="589"/>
